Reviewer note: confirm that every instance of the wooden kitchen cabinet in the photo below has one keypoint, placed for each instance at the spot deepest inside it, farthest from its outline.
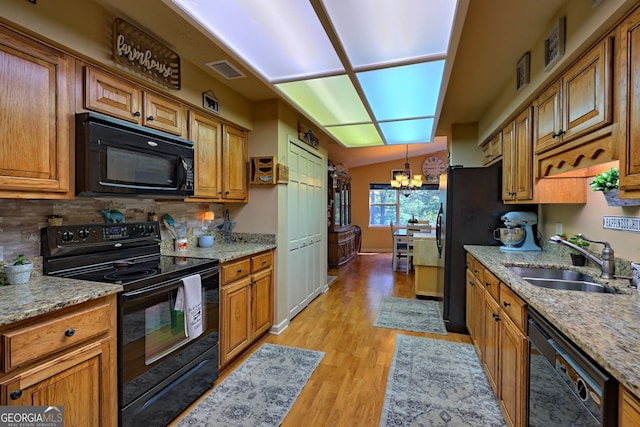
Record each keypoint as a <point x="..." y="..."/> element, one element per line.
<point x="517" y="164"/>
<point x="629" y="105"/>
<point x="628" y="408"/>
<point x="65" y="358"/>
<point x="246" y="296"/>
<point x="36" y="112"/>
<point x="120" y="98"/>
<point x="220" y="160"/>
<point x="492" y="150"/>
<point x="578" y="103"/>
<point x="491" y="340"/>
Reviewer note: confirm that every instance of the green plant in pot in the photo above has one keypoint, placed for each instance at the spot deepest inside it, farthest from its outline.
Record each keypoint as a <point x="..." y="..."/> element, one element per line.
<point x="608" y="182"/>
<point x="576" y="257"/>
<point x="206" y="239"/>
<point x="19" y="272"/>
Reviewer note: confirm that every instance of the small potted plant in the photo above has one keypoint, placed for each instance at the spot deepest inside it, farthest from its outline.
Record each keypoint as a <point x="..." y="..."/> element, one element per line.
<point x="205" y="240"/>
<point x="576" y="257"/>
<point x="19" y="272"/>
<point x="608" y="182"/>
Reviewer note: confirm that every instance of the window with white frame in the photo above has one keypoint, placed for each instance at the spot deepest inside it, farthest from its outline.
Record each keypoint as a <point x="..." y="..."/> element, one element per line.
<point x="387" y="204"/>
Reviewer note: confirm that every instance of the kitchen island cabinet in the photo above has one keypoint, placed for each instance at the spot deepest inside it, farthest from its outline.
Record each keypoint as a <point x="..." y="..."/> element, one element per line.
<point x="36" y="113"/>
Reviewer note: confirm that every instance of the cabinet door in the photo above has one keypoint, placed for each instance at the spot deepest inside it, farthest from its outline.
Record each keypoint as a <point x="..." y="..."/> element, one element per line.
<point x="74" y="380"/>
<point x="523" y="183"/>
<point x="164" y="114"/>
<point x="629" y="409"/>
<point x="35" y="112"/>
<point x="491" y="335"/>
<point x="205" y="133"/>
<point x="587" y="93"/>
<point x="235" y="315"/>
<point x="509" y="166"/>
<point x="492" y="150"/>
<point x="630" y="102"/>
<point x="513" y="372"/>
<point x="262" y="302"/>
<point x="113" y="96"/>
<point x="547" y="118"/>
<point x="234" y="162"/>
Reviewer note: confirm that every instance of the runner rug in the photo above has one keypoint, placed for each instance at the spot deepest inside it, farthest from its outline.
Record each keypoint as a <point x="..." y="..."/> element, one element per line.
<point x="260" y="392"/>
<point x="410" y="315"/>
<point x="437" y="383"/>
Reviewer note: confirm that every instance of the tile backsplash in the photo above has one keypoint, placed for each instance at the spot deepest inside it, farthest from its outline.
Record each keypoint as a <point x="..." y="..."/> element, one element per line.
<point x="21" y="220"/>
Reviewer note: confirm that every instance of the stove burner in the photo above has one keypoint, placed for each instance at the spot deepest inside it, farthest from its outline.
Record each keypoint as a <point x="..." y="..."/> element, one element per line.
<point x="123" y="263"/>
<point x="131" y="274"/>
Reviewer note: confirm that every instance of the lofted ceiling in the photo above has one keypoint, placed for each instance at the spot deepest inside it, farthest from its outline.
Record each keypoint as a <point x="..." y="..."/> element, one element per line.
<point x="492" y="39"/>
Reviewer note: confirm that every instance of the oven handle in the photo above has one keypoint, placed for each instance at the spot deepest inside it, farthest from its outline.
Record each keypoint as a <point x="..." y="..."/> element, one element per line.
<point x="163" y="287"/>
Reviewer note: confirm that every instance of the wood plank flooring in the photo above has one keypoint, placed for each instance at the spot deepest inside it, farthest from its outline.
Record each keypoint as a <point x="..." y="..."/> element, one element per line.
<point x="347" y="388"/>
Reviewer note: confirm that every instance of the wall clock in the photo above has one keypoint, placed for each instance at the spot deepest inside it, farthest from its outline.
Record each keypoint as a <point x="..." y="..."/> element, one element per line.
<point x="432" y="167"/>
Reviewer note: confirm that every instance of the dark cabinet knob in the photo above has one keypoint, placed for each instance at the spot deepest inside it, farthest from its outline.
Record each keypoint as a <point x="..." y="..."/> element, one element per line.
<point x="16" y="394"/>
<point x="496" y="317"/>
<point x="69" y="332"/>
<point x="557" y="134"/>
<point x="150" y="118"/>
<point x="487" y="283"/>
<point x="506" y="304"/>
<point x="136" y="114"/>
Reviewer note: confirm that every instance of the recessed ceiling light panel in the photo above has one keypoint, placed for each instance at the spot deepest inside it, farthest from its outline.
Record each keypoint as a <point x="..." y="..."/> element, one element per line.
<point x="362" y="135"/>
<point x="408" y="131"/>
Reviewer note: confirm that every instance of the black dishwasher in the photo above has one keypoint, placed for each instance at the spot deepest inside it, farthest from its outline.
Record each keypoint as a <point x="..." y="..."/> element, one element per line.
<point x="566" y="387"/>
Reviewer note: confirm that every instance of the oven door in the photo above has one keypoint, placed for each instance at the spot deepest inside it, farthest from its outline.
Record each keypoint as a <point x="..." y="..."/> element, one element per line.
<point x="155" y="354"/>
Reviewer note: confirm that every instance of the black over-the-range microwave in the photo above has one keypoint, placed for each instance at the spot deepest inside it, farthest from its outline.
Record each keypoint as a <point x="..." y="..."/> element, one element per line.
<point x="120" y="159"/>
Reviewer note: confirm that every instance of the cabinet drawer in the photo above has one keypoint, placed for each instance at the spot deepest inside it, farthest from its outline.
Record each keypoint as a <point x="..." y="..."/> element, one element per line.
<point x="31" y="342"/>
<point x="475" y="267"/>
<point x="491" y="284"/>
<point x="261" y="261"/>
<point x="235" y="270"/>
<point x="513" y="306"/>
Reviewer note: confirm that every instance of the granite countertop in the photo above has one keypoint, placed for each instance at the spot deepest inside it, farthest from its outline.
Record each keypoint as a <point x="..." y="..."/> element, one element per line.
<point x="606" y="326"/>
<point x="44" y="294"/>
<point x="224" y="250"/>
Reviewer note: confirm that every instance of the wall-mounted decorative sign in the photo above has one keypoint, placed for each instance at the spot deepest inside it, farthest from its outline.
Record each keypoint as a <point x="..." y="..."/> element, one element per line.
<point x="139" y="51"/>
<point x="522" y="71"/>
<point x="554" y="45"/>
<point x="307" y="135"/>
<point x="210" y="102"/>
<point x="282" y="174"/>
<point x="624" y="223"/>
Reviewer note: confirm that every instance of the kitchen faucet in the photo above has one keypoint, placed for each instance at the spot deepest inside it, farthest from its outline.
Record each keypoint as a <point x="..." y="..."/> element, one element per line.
<point x="607" y="263"/>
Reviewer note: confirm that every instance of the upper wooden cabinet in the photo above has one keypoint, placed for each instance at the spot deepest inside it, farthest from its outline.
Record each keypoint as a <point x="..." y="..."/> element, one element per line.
<point x="492" y="150"/>
<point x="220" y="160"/>
<point x="629" y="78"/>
<point x="35" y="112"/>
<point x="517" y="164"/>
<point x="125" y="100"/>
<point x="578" y="103"/>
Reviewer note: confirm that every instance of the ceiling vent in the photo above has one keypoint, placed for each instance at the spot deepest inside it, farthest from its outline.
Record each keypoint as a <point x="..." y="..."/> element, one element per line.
<point x="226" y="69"/>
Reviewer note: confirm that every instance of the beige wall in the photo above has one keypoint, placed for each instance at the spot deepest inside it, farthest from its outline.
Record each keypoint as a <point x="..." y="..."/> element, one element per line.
<point x="377" y="239"/>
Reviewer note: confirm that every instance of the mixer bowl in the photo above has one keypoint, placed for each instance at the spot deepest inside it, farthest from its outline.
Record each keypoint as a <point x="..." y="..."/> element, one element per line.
<point x="510" y="237"/>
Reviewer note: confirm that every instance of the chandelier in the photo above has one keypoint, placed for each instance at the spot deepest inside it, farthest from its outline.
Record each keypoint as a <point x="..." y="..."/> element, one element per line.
<point x="403" y="182"/>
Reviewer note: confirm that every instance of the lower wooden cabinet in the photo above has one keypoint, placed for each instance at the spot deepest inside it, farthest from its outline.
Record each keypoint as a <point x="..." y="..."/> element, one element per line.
<point x="61" y="365"/>
<point x="496" y="318"/>
<point x="629" y="408"/>
<point x="341" y="246"/>
<point x="246" y="298"/>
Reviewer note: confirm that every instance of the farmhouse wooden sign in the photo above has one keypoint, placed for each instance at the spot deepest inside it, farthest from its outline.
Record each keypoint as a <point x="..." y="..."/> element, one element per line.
<point x="139" y="51"/>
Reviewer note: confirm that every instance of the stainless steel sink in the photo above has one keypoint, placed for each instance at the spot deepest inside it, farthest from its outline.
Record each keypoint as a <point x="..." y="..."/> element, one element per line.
<point x="557" y="278"/>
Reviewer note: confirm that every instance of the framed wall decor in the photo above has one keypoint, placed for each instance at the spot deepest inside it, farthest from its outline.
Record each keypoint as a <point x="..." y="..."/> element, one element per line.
<point x="554" y="45"/>
<point x="522" y="71"/>
<point x="210" y="102"/>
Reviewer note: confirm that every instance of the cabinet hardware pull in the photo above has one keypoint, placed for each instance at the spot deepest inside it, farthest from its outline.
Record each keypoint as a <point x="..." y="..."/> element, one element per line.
<point x="555" y="135"/>
<point x="136" y="114"/>
<point x="239" y="270"/>
<point x="69" y="332"/>
<point x="487" y="283"/>
<point x="16" y="394"/>
<point x="496" y="317"/>
<point x="226" y="192"/>
<point x="150" y="118"/>
<point x="506" y="303"/>
<point x="471" y="283"/>
<point x="264" y="261"/>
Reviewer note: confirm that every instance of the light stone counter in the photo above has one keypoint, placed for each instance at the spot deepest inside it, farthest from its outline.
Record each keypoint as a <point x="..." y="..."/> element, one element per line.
<point x="606" y="326"/>
<point x="240" y="245"/>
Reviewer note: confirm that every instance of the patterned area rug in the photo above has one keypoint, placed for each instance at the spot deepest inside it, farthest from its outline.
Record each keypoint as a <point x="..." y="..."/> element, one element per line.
<point x="437" y="383"/>
<point x="410" y="315"/>
<point x="259" y="392"/>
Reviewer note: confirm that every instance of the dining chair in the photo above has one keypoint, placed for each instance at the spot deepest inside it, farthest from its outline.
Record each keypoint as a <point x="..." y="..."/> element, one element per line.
<point x="409" y="251"/>
<point x="399" y="247"/>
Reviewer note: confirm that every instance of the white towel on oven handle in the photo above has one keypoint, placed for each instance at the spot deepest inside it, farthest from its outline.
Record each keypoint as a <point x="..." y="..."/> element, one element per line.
<point x="189" y="300"/>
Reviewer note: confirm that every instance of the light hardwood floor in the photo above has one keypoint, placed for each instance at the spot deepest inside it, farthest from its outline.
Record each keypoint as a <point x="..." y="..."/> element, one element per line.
<point x="347" y="388"/>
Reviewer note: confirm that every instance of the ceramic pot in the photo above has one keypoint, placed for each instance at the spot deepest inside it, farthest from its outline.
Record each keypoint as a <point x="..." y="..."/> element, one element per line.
<point x="205" y="241"/>
<point x="578" y="259"/>
<point x="613" y="199"/>
<point x="18" y="274"/>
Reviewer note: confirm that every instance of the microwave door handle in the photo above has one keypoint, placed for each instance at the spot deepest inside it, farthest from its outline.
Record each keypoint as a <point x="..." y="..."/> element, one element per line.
<point x="182" y="173"/>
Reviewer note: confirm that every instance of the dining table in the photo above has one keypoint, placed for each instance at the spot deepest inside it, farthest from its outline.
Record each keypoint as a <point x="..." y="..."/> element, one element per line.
<point x="405" y="235"/>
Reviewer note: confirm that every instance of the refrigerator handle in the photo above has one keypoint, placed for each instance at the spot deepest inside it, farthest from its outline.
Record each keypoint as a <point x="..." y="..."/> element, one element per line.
<point x="439" y="231"/>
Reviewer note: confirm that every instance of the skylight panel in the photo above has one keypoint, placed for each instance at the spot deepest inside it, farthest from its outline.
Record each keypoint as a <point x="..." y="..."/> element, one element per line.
<point x="362" y="135"/>
<point x="282" y="41"/>
<point x="385" y="31"/>
<point x="408" y="131"/>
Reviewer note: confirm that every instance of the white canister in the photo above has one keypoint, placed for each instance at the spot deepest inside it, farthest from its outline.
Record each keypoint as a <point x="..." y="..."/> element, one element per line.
<point x="635" y="272"/>
<point x="182" y="245"/>
<point x="205" y="241"/>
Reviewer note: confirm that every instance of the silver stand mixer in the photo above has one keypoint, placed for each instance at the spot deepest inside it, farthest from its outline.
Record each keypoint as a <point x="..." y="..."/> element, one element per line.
<point x="519" y="235"/>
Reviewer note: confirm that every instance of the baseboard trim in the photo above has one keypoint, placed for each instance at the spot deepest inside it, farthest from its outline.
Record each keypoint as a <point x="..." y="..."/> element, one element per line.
<point x="280" y="327"/>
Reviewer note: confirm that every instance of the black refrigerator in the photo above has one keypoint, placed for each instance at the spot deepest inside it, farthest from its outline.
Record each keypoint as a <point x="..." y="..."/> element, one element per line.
<point x="471" y="206"/>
